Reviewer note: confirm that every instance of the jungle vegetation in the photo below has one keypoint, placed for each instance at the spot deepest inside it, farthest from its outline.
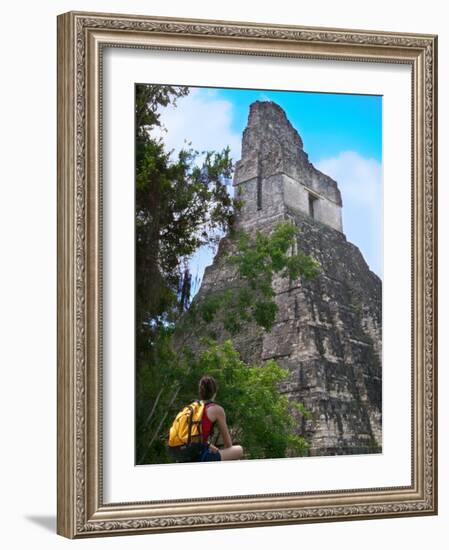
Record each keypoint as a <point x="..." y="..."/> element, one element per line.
<point x="182" y="204"/>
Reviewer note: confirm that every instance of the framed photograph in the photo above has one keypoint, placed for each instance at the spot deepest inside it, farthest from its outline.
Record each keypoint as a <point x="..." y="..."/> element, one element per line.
<point x="247" y="277"/>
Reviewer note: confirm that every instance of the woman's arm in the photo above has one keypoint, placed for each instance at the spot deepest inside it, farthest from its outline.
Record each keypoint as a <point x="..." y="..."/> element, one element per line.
<point x="216" y="413"/>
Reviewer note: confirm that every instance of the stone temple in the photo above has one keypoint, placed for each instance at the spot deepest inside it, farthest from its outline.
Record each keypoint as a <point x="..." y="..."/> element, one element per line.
<point x="328" y="331"/>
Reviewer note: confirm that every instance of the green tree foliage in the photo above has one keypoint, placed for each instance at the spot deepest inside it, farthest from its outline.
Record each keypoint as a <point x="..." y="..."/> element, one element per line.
<point x="256" y="259"/>
<point x="181" y="204"/>
<point x="262" y="418"/>
<point x="259" y="417"/>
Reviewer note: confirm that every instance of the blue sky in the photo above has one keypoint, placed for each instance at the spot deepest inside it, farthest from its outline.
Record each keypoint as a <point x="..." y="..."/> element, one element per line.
<point x="342" y="134"/>
<point x="327" y="123"/>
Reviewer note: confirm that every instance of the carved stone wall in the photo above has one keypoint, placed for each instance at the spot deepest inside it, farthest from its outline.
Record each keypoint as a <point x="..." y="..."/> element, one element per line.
<point x="275" y="172"/>
<point x="328" y="331"/>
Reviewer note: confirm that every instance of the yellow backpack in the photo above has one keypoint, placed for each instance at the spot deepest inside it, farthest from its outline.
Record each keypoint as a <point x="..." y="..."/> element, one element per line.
<point x="186" y="427"/>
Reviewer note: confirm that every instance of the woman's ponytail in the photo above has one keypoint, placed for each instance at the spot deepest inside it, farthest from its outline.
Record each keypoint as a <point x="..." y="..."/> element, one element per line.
<point x="207" y="387"/>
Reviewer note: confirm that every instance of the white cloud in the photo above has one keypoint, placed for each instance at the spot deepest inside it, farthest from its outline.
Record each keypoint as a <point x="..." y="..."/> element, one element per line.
<point x="360" y="183"/>
<point x="203" y="119"/>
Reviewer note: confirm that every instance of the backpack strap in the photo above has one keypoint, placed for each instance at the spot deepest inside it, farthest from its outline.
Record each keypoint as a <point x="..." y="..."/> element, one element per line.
<point x="189" y="436"/>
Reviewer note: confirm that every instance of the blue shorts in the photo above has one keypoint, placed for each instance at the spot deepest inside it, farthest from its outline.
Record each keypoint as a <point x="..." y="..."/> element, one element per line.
<point x="208" y="456"/>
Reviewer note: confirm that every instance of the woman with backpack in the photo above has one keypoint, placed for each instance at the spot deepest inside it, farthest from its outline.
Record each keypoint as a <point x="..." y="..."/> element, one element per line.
<point x="214" y="413"/>
<point x="190" y="432"/>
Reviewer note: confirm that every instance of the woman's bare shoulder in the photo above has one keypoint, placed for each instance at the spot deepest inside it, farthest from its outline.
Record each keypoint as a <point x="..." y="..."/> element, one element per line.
<point x="214" y="411"/>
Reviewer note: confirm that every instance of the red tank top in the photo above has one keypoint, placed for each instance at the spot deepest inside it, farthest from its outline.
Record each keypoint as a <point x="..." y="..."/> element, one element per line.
<point x="206" y="423"/>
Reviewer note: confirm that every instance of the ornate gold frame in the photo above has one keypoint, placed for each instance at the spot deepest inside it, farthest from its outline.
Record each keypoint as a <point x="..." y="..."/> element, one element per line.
<point x="81" y="37"/>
